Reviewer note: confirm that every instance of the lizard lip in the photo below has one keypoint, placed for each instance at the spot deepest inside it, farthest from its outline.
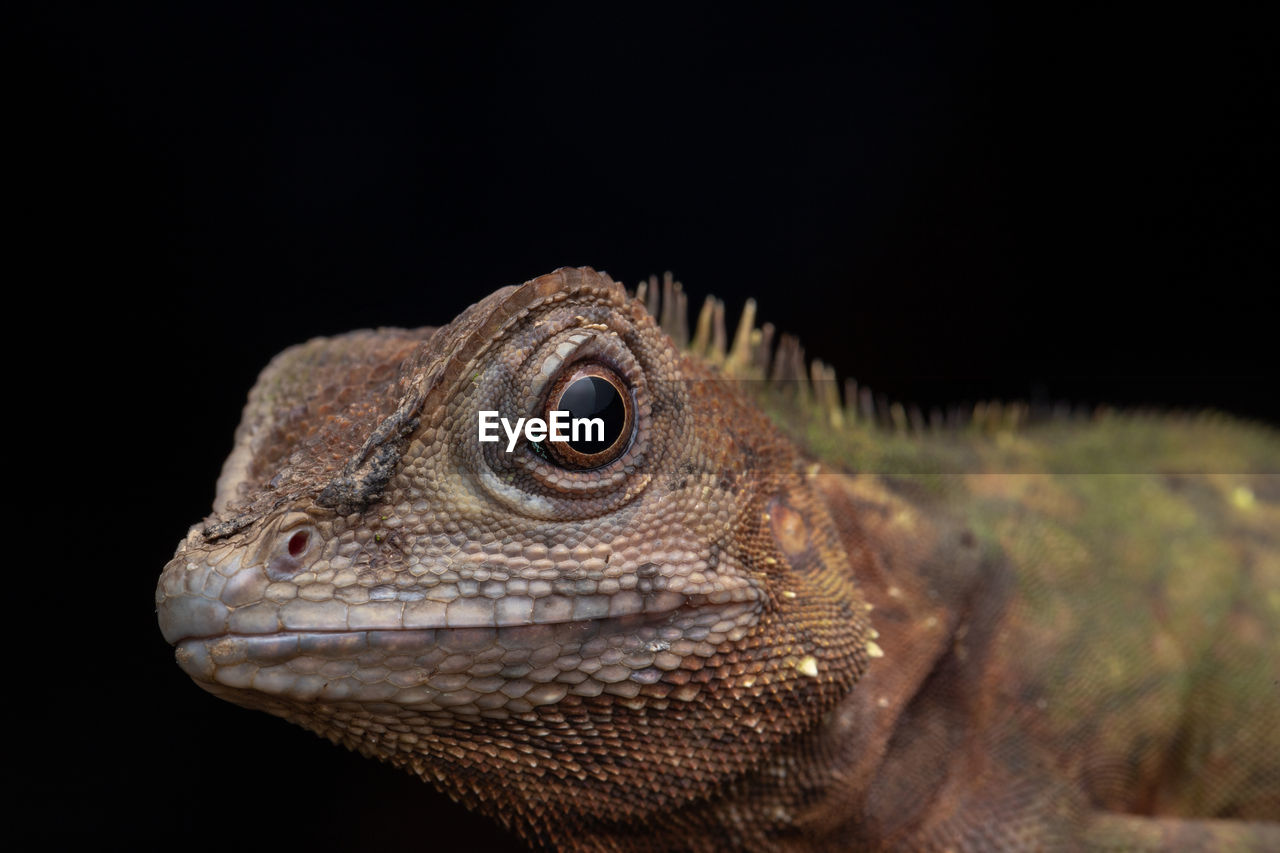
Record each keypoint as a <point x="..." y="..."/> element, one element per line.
<point x="282" y="646"/>
<point x="195" y="601"/>
<point x="188" y="615"/>
<point x="430" y="667"/>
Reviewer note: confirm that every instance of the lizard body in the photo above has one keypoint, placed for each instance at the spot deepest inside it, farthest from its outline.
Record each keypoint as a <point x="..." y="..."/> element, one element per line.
<point x="764" y="621"/>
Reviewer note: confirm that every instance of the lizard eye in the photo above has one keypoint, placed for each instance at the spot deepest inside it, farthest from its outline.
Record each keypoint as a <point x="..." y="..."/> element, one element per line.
<point x="602" y="416"/>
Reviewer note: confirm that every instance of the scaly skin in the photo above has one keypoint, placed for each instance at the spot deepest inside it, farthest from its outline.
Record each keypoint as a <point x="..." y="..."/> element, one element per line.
<point x="819" y="634"/>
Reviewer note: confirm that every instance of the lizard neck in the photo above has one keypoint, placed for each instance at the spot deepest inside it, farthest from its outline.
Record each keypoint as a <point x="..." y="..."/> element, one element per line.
<point x="898" y="736"/>
<point x="839" y="782"/>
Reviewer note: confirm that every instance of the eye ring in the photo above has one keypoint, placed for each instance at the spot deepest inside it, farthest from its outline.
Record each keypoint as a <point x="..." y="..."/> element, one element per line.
<point x="592" y="390"/>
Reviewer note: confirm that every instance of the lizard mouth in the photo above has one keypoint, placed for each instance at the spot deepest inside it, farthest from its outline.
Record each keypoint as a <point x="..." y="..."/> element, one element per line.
<point x="469" y="669"/>
<point x="469" y="655"/>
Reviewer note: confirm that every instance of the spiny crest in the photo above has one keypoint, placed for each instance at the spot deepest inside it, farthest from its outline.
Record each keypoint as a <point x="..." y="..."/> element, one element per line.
<point x="812" y="386"/>
<point x="813" y="390"/>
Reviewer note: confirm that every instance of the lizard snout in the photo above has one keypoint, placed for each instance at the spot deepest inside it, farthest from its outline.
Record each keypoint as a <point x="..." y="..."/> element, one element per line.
<point x="189" y="597"/>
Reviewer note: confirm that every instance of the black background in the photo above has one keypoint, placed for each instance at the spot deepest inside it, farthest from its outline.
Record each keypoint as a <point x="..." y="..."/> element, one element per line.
<point x="950" y="205"/>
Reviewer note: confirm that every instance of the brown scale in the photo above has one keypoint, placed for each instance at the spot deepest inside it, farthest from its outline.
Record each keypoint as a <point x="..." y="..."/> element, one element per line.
<point x="866" y="703"/>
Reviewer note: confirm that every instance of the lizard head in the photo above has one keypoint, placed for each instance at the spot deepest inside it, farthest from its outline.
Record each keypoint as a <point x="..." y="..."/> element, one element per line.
<point x="571" y="629"/>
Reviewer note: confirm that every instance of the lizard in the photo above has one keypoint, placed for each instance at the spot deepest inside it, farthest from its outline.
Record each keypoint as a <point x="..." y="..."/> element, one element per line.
<point x="750" y="615"/>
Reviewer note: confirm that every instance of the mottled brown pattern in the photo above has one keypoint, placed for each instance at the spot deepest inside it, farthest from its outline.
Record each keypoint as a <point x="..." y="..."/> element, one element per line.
<point x="730" y="636"/>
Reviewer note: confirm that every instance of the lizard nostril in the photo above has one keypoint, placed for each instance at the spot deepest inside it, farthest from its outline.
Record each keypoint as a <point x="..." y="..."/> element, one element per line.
<point x="298" y="543"/>
<point x="289" y="553"/>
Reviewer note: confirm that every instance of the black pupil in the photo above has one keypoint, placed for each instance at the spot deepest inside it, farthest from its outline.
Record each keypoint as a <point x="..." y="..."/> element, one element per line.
<point x="593" y="397"/>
